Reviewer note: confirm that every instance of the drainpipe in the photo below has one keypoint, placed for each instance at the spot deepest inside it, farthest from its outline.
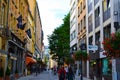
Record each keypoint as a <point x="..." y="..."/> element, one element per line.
<point x="6" y="29"/>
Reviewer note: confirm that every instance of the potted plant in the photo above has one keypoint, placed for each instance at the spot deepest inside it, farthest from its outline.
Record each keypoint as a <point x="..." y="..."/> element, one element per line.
<point x="112" y="45"/>
<point x="7" y="74"/>
<point x="81" y="55"/>
<point x="1" y="74"/>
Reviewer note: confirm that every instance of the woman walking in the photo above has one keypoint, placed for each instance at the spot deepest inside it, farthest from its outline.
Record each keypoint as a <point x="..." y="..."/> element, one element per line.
<point x="70" y="74"/>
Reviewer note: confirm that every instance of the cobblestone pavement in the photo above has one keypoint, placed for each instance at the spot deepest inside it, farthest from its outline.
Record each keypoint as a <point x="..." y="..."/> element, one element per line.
<point x="42" y="76"/>
<point x="46" y="75"/>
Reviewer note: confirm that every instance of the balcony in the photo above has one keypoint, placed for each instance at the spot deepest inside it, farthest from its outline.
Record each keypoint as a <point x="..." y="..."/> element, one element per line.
<point x="97" y="21"/>
<point x="106" y="15"/>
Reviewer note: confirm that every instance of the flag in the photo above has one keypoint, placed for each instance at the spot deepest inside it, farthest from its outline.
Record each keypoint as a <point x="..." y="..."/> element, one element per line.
<point x="28" y="33"/>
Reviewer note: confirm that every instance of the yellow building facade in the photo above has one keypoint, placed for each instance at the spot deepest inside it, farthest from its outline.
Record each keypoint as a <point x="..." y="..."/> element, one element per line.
<point x="82" y="30"/>
<point x="31" y="26"/>
<point x="12" y="46"/>
<point x="3" y="37"/>
<point x="17" y="33"/>
<point x="31" y="41"/>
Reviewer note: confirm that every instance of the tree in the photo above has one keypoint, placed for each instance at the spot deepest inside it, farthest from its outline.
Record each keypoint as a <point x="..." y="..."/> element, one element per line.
<point x="59" y="40"/>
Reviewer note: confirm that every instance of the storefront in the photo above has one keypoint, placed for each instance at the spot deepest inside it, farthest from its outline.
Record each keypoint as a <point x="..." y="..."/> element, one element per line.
<point x="16" y="55"/>
<point x="95" y="66"/>
<point x="29" y="62"/>
<point x="107" y="68"/>
<point x="3" y="58"/>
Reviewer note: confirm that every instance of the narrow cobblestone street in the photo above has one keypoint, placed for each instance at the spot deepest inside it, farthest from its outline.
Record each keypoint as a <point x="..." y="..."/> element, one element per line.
<point x="46" y="75"/>
<point x="42" y="76"/>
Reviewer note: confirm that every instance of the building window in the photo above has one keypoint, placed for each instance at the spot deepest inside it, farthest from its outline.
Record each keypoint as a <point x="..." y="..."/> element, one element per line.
<point x="72" y="9"/>
<point x="84" y="3"/>
<point x="90" y="40"/>
<point x="106" y="10"/>
<point x="107" y="31"/>
<point x="84" y="21"/>
<point x="81" y="7"/>
<point x="106" y="5"/>
<point x="97" y="39"/>
<point x="97" y="17"/>
<point x="2" y="16"/>
<point x="78" y="11"/>
<point x="78" y="27"/>
<point x="73" y="35"/>
<point x="90" y="28"/>
<point x="89" y="5"/>
<point x="81" y="25"/>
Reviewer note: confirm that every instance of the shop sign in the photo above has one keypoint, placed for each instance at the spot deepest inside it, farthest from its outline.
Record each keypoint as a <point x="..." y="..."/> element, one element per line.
<point x="101" y="55"/>
<point x="92" y="47"/>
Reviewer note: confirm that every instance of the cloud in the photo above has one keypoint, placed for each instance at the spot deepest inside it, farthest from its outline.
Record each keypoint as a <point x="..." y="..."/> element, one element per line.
<point x="52" y="12"/>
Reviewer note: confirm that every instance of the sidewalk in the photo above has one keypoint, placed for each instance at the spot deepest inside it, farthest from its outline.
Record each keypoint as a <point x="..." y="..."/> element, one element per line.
<point x="46" y="75"/>
<point x="78" y="78"/>
<point x="42" y="76"/>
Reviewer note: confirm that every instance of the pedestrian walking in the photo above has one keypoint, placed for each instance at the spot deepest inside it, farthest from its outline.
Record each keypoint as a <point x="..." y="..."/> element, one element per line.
<point x="70" y="74"/>
<point x="66" y="69"/>
<point x="61" y="73"/>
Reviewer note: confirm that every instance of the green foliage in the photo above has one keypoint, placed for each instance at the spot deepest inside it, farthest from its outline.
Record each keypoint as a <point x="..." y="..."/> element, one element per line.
<point x="69" y="60"/>
<point x="81" y="55"/>
<point x="59" y="39"/>
<point x="1" y="72"/>
<point x="8" y="71"/>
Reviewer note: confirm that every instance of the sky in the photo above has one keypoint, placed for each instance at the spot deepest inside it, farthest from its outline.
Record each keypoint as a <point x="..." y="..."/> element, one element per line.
<point x="52" y="13"/>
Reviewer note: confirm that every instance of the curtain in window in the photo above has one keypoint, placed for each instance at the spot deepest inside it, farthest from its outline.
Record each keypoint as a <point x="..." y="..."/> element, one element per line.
<point x="104" y="5"/>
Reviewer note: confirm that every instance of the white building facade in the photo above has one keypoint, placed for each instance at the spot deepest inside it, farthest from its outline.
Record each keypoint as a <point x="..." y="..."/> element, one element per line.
<point x="73" y="25"/>
<point x="103" y="18"/>
<point x="73" y="29"/>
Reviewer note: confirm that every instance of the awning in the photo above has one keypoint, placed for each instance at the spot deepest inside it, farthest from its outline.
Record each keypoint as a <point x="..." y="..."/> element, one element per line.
<point x="30" y="60"/>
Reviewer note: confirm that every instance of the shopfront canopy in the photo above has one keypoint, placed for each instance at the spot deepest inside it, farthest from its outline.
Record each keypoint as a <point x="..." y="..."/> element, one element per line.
<point x="30" y="60"/>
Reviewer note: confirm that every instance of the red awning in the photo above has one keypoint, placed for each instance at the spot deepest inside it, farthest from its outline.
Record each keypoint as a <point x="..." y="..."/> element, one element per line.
<point x="30" y="60"/>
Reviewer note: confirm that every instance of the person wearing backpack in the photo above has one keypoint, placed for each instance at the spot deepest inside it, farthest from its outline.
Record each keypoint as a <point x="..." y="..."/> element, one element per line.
<point x="62" y="73"/>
